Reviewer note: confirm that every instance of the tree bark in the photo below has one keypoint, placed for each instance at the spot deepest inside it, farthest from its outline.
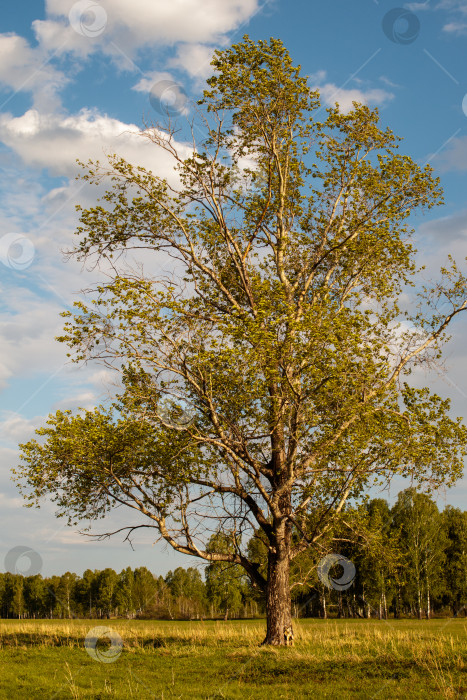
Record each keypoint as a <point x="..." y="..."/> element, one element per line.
<point x="340" y="607"/>
<point x="419" y="603"/>
<point x="278" y="601"/>
<point x="397" y="604"/>
<point x="323" y="605"/>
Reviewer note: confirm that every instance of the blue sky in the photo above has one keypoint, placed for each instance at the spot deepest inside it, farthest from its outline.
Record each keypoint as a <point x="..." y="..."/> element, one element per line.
<point x="75" y="81"/>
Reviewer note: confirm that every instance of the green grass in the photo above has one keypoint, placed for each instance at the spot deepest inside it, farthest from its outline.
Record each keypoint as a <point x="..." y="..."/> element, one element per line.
<point x="167" y="660"/>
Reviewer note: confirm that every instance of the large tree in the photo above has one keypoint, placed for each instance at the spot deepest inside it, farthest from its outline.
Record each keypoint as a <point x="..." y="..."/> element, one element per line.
<point x="264" y="380"/>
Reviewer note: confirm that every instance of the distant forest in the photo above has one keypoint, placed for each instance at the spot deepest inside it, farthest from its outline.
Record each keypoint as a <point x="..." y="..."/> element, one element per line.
<point x="409" y="560"/>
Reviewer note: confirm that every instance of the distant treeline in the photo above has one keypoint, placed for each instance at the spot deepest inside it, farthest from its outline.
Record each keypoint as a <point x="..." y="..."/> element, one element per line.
<point x="408" y="560"/>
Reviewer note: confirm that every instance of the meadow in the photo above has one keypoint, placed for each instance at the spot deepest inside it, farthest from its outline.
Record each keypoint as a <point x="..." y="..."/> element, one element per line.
<point x="217" y="659"/>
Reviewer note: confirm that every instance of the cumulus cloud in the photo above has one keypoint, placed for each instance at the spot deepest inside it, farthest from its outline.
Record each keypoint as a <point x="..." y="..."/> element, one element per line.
<point x="331" y="93"/>
<point x="27" y="69"/>
<point x="30" y="318"/>
<point x="83" y="399"/>
<point x="118" y="24"/>
<point x="119" y="30"/>
<point x="457" y="5"/>
<point x="345" y="98"/>
<point x="146" y="83"/>
<point x="27" y="329"/>
<point x="194" y="59"/>
<point x="457" y="13"/>
<point x="59" y="38"/>
<point x="54" y="141"/>
<point x="16" y="428"/>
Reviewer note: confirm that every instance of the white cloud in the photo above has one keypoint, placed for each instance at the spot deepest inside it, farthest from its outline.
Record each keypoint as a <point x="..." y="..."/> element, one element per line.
<point x="131" y="26"/>
<point x="331" y="93"/>
<point x="436" y="240"/>
<point x="15" y="428"/>
<point x="194" y="59"/>
<point x="455" y="156"/>
<point x="23" y="68"/>
<point x="447" y="229"/>
<point x="31" y="318"/>
<point x="146" y="83"/>
<point x="59" y="38"/>
<point x="457" y="10"/>
<point x="10" y="502"/>
<point x="27" y="331"/>
<point x="164" y="93"/>
<point x="418" y="6"/>
<point x="54" y="142"/>
<point x="124" y="29"/>
<point x="388" y="82"/>
<point x="459" y="5"/>
<point x="455" y="27"/>
<point x="345" y="98"/>
<point x="84" y="399"/>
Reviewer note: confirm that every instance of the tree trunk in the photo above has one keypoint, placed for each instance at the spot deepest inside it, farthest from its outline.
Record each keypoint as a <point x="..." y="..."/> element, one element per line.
<point x="278" y="601"/>
<point x="323" y="605"/>
<point x="397" y="605"/>
<point x="366" y="606"/>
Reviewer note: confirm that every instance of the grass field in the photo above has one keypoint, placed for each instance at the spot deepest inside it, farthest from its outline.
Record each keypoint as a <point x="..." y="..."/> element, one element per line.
<point x="168" y="660"/>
